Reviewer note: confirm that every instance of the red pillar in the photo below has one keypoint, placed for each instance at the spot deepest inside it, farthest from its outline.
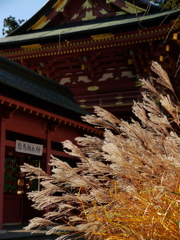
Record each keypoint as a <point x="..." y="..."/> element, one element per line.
<point x="48" y="152"/>
<point x="2" y="158"/>
<point x="47" y="159"/>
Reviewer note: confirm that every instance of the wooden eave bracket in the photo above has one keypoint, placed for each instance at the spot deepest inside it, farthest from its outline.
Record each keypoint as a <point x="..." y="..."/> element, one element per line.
<point x="44" y="114"/>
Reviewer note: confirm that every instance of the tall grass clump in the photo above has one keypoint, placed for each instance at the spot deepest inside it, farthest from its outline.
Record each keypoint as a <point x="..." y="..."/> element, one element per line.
<point x="127" y="183"/>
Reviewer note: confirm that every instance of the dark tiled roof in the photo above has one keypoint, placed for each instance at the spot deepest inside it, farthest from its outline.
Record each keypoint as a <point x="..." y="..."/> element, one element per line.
<point x="86" y="29"/>
<point x="32" y="88"/>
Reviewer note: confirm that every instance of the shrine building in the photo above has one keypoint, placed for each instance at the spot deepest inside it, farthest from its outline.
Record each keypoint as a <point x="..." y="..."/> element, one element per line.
<point x="67" y="58"/>
<point x="36" y="115"/>
<point x="99" y="49"/>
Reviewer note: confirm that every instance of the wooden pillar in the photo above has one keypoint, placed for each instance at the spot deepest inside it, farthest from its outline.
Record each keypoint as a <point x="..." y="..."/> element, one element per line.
<point x="48" y="151"/>
<point x="47" y="159"/>
<point x="2" y="159"/>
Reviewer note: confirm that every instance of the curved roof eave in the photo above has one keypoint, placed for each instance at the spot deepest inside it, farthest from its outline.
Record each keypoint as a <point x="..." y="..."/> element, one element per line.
<point x="33" y="19"/>
<point x="50" y="4"/>
<point x="35" y="85"/>
<point x="40" y="35"/>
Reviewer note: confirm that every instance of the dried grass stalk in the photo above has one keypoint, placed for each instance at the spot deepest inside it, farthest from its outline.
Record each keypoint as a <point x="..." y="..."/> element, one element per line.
<point x="126" y="185"/>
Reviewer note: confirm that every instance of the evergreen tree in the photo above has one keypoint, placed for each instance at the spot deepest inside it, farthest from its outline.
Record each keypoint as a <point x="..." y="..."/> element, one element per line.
<point x="170" y="4"/>
<point x="10" y="24"/>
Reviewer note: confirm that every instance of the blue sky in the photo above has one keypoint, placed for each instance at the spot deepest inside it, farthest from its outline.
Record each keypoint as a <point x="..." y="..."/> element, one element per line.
<point x="20" y="9"/>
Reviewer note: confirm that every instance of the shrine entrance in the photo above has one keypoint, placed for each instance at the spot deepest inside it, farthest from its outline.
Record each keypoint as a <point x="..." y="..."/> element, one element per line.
<point x="17" y="207"/>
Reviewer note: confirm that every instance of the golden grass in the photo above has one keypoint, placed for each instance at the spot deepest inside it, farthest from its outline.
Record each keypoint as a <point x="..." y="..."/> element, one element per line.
<point x="126" y="186"/>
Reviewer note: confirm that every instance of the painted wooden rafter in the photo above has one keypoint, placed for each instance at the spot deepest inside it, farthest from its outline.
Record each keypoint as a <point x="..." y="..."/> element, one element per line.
<point x="87" y="10"/>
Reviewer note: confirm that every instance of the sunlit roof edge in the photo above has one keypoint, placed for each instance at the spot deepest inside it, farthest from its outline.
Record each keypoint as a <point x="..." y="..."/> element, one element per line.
<point x="76" y="29"/>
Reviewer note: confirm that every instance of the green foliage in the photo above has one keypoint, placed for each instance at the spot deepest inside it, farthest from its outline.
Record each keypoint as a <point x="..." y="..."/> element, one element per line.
<point x="10" y="24"/>
<point x="170" y="4"/>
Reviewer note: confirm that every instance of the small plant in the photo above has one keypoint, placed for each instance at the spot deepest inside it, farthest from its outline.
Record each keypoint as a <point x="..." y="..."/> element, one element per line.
<point x="126" y="185"/>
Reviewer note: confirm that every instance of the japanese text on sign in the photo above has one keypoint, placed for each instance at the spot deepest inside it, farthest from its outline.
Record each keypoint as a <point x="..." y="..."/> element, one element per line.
<point x="30" y="148"/>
